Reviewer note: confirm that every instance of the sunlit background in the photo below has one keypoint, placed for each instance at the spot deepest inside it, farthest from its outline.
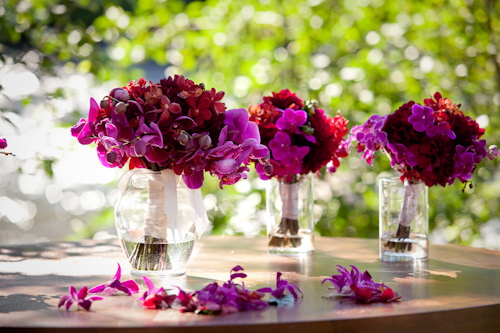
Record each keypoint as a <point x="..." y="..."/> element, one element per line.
<point x="357" y="56"/>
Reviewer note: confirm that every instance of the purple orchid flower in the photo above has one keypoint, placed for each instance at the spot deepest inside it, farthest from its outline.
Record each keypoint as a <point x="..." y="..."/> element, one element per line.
<point x="78" y="298"/>
<point x="151" y="134"/>
<point x="84" y="130"/>
<point x="181" y="123"/>
<point x="280" y="145"/>
<point x="3" y="143"/>
<point x="359" y="287"/>
<point x="402" y="155"/>
<point x="292" y="120"/>
<point x="464" y="163"/>
<point x="369" y="136"/>
<point x="221" y="300"/>
<point x="479" y="149"/>
<point x="239" y="126"/>
<point x="281" y="287"/>
<point x="278" y="169"/>
<point x="492" y="152"/>
<point x="421" y="117"/>
<point x="235" y="275"/>
<point x="343" y="281"/>
<point x="110" y="152"/>
<point x="114" y="285"/>
<point x="440" y="129"/>
<point x="294" y="159"/>
<point x="155" y="299"/>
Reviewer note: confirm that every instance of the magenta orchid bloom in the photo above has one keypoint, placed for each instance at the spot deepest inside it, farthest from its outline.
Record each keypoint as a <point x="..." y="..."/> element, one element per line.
<point x="280" y="145"/>
<point x="291" y="120"/>
<point x="78" y="298"/>
<point x="492" y="152"/>
<point x="239" y="126"/>
<point x="281" y="287"/>
<point x="181" y="123"/>
<point x="294" y="159"/>
<point x="151" y="135"/>
<point x="111" y="287"/>
<point x="464" y="163"/>
<point x="359" y="287"/>
<point x="221" y="300"/>
<point x="421" y="117"/>
<point x="155" y="299"/>
<point x="3" y="143"/>
<point x="370" y="136"/>
<point x="402" y="154"/>
<point x="442" y="128"/>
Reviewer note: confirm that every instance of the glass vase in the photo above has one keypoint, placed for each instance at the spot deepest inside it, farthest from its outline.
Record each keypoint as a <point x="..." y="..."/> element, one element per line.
<point x="404" y="220"/>
<point x="290" y="226"/>
<point x="152" y="244"/>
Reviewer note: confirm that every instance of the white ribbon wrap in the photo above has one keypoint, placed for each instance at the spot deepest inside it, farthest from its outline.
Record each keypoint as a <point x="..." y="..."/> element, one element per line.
<point x="290" y="199"/>
<point x="183" y="206"/>
<point x="410" y="202"/>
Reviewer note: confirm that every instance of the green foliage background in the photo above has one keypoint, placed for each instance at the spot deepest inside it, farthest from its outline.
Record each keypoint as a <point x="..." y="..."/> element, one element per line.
<point x="360" y="57"/>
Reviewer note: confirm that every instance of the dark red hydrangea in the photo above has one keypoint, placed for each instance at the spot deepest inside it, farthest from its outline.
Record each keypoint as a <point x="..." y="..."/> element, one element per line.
<point x="285" y="99"/>
<point x="329" y="134"/>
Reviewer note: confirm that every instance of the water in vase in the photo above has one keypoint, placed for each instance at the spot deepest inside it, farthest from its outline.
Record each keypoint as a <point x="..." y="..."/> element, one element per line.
<point x="393" y="248"/>
<point x="157" y="257"/>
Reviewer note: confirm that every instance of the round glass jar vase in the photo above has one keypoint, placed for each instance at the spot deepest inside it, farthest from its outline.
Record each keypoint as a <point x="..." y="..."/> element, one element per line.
<point x="152" y="247"/>
<point x="290" y="225"/>
<point x="403" y="220"/>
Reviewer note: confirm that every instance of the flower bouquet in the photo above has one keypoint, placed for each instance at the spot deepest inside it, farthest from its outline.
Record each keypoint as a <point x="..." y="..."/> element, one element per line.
<point x="164" y="131"/>
<point x="433" y="144"/>
<point x="301" y="139"/>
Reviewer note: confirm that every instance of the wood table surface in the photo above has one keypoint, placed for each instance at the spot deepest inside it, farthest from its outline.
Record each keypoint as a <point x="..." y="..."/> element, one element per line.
<point x="456" y="290"/>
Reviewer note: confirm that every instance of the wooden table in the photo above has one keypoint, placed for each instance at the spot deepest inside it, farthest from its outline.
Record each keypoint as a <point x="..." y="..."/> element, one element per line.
<point x="456" y="290"/>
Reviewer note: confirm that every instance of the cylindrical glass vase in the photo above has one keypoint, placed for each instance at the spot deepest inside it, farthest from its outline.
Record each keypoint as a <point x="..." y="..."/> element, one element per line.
<point x="404" y="220"/>
<point x="153" y="247"/>
<point x="290" y="226"/>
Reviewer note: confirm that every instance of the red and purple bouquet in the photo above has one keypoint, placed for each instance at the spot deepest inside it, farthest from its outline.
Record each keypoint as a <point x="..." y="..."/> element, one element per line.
<point x="300" y="137"/>
<point x="434" y="142"/>
<point x="175" y="124"/>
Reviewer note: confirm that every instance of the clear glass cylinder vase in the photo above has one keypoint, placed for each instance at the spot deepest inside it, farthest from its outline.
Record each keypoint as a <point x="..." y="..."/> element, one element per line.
<point x="153" y="247"/>
<point x="290" y="225"/>
<point x="404" y="219"/>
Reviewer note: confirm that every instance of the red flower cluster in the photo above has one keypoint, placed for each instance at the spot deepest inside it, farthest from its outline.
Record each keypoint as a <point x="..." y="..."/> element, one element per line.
<point x="303" y="138"/>
<point x="329" y="146"/>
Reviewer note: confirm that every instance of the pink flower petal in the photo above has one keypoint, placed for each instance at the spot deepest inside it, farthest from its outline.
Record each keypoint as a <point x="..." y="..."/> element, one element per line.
<point x="131" y="285"/>
<point x="226" y="166"/>
<point x="97" y="289"/>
